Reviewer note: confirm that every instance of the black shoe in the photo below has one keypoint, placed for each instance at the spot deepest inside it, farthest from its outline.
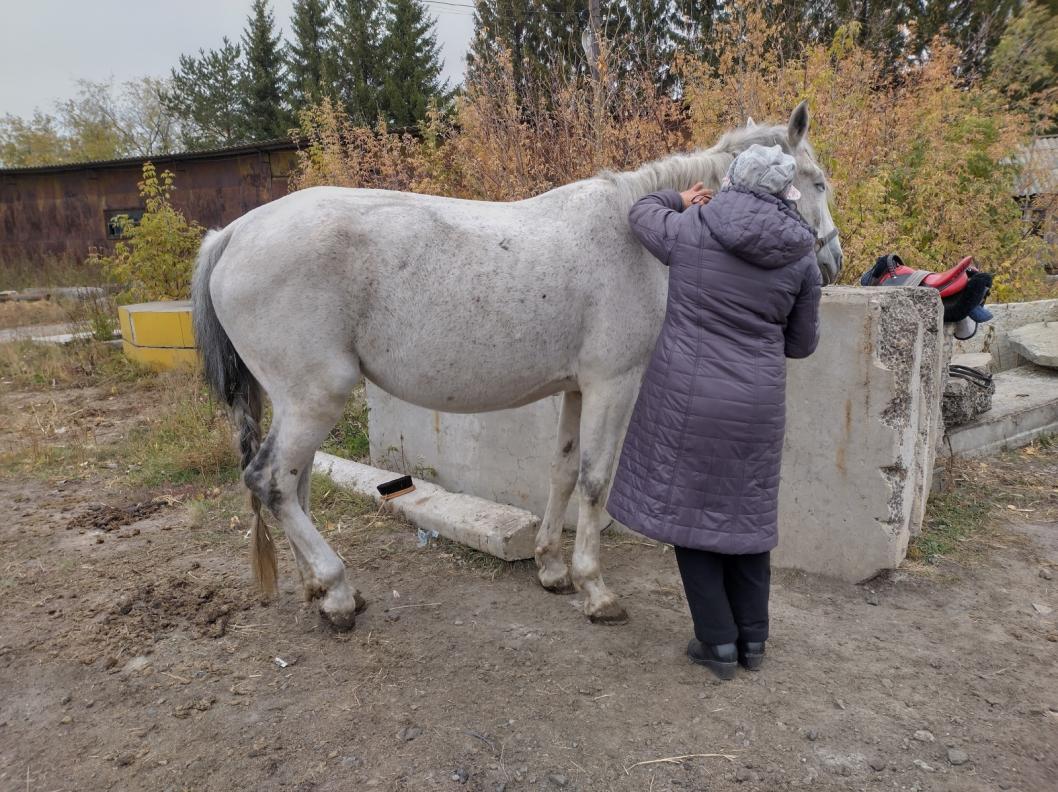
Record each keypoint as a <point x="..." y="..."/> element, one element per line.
<point x="721" y="659"/>
<point x="751" y="654"/>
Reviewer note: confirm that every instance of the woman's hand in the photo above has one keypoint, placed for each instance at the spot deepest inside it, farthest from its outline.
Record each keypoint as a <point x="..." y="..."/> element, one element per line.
<point x="696" y="195"/>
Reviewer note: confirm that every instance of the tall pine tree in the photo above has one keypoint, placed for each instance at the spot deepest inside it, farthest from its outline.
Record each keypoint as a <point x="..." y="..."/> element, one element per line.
<point x="206" y="94"/>
<point x="310" y="71"/>
<point x="412" y="62"/>
<point x="356" y="57"/>
<point x="264" y="105"/>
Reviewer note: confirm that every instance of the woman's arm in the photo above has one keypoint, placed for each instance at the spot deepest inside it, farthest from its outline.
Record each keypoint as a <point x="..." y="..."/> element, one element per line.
<point x="653" y="218"/>
<point x="802" y="324"/>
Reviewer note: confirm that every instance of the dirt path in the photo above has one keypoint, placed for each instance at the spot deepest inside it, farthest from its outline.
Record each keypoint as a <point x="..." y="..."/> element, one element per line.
<point x="134" y="655"/>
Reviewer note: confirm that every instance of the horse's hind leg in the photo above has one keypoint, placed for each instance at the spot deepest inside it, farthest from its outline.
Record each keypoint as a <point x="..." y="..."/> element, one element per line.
<point x="551" y="567"/>
<point x="312" y="588"/>
<point x="303" y="416"/>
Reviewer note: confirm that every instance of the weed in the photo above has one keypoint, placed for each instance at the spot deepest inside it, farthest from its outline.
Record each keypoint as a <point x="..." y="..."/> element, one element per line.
<point x="190" y="442"/>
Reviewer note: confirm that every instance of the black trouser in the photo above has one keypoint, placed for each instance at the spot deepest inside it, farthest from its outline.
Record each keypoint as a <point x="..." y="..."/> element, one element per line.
<point x="727" y="594"/>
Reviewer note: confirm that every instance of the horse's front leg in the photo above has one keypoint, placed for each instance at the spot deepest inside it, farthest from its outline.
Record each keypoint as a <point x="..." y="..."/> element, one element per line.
<point x="551" y="567"/>
<point x="606" y="409"/>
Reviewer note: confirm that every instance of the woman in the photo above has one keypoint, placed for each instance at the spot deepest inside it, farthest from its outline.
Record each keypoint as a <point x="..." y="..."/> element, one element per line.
<point x="700" y="464"/>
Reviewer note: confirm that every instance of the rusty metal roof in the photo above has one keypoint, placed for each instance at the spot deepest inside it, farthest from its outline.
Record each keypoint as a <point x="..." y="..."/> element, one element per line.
<point x="1038" y="163"/>
<point x="275" y="144"/>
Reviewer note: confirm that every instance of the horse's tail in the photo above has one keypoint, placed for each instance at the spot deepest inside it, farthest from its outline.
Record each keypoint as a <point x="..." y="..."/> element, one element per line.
<point x="232" y="382"/>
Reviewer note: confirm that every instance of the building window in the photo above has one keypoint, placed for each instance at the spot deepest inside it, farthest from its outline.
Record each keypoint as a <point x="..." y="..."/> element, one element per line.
<point x="114" y="224"/>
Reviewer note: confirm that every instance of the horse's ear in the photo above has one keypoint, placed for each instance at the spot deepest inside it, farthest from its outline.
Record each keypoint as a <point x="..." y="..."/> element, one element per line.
<point x="750" y="123"/>
<point x="798" y="126"/>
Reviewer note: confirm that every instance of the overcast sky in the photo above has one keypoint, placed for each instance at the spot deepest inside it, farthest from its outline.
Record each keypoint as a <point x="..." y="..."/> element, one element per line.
<point x="46" y="45"/>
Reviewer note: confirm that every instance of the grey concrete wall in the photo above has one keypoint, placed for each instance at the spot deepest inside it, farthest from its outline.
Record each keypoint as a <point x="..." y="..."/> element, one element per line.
<point x="992" y="336"/>
<point x="863" y="418"/>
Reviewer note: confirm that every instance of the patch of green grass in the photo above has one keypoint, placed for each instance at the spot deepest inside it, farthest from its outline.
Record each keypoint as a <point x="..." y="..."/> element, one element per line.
<point x="951" y="519"/>
<point x="349" y="438"/>
<point x="331" y="502"/>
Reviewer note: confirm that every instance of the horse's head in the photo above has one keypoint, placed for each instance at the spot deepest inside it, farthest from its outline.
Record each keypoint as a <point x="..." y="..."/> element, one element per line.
<point x="810" y="181"/>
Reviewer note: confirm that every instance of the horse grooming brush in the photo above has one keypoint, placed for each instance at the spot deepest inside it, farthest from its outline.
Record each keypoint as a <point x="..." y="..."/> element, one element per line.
<point x="396" y="488"/>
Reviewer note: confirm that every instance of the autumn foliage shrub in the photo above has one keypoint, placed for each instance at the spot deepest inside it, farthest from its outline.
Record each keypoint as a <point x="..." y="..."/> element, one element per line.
<point x="920" y="162"/>
<point x="155" y="257"/>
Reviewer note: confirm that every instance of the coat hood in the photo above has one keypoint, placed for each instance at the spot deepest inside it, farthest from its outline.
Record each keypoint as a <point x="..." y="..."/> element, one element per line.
<point x="760" y="229"/>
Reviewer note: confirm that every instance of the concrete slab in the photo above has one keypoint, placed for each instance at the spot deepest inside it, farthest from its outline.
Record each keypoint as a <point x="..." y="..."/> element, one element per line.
<point x="863" y="421"/>
<point x="1037" y="343"/>
<point x="994" y="336"/>
<point x="982" y="361"/>
<point x="497" y="529"/>
<point x="1024" y="407"/>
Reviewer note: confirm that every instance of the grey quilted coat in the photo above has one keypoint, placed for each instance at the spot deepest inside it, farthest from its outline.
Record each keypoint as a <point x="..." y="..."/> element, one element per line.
<point x="700" y="464"/>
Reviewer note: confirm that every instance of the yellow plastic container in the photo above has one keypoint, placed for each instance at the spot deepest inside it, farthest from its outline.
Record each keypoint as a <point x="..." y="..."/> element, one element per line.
<point x="159" y="334"/>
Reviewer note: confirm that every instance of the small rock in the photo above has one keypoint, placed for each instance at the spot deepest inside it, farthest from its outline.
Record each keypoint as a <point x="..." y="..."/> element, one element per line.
<point x="957" y="757"/>
<point x="812" y="735"/>
<point x="872" y="598"/>
<point x="458" y="622"/>
<point x="1043" y="610"/>
<point x="1046" y="574"/>
<point x="558" y="780"/>
<point x="460" y="776"/>
<point x="66" y="719"/>
<point x="124" y="760"/>
<point x="744" y="776"/>
<point x="351" y="761"/>
<point x="924" y="735"/>
<point x="138" y="663"/>
<point x="409" y="733"/>
<point x="66" y="699"/>
<point x="877" y="764"/>
<point x="501" y="786"/>
<point x="923" y="766"/>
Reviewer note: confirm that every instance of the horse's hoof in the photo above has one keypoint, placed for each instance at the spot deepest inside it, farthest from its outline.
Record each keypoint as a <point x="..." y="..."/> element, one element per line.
<point x="337" y="612"/>
<point x="563" y="585"/>
<point x="608" y="613"/>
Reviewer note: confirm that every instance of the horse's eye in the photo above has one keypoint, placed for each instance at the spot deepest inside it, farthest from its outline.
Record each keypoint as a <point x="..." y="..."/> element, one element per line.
<point x="821" y="188"/>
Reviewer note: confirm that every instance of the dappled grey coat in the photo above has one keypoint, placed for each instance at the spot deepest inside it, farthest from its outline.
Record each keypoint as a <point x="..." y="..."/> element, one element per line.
<point x="700" y="464"/>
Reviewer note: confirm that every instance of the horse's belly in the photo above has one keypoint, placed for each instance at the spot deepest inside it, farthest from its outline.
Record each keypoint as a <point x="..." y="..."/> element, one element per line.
<point x="457" y="374"/>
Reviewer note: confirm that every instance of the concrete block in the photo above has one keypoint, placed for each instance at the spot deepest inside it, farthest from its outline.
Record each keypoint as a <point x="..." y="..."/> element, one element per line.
<point x="498" y="529"/>
<point x="994" y="336"/>
<point x="863" y="420"/>
<point x="964" y="400"/>
<point x="1037" y="343"/>
<point x="159" y="334"/>
<point x="1025" y="406"/>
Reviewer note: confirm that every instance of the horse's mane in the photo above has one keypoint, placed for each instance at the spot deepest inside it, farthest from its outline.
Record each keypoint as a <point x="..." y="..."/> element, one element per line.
<point x="680" y="171"/>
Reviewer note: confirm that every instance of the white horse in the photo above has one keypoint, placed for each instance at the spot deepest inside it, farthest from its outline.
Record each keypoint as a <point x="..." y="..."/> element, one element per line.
<point x="454" y="305"/>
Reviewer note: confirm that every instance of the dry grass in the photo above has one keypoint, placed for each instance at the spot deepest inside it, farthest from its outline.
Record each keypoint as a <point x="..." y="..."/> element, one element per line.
<point x="962" y="523"/>
<point x="27" y="364"/>
<point x="47" y="272"/>
<point x="37" y="312"/>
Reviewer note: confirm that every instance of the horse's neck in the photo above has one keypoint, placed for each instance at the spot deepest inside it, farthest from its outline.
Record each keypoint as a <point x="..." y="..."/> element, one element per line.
<point x="678" y="172"/>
